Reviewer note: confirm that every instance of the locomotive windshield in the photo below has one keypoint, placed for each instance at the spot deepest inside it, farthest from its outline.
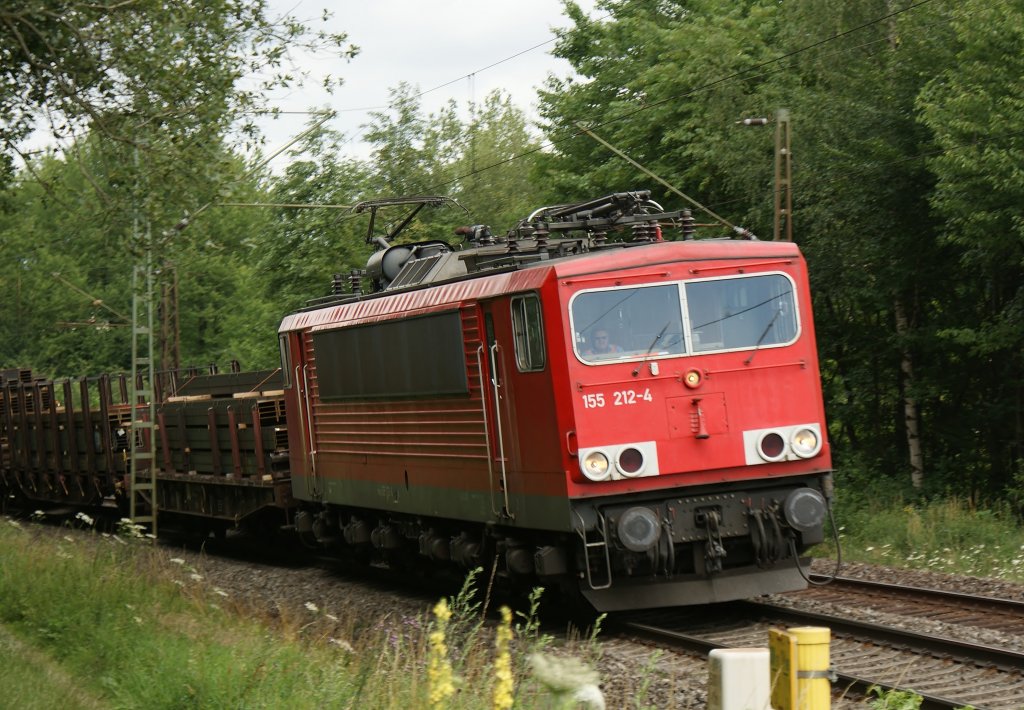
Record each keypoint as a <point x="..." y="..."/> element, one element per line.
<point x="735" y="313"/>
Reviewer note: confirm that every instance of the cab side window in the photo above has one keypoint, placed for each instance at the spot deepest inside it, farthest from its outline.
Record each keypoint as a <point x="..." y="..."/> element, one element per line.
<point x="528" y="328"/>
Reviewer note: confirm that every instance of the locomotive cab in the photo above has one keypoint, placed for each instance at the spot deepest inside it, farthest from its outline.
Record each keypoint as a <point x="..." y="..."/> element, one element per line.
<point x="700" y="455"/>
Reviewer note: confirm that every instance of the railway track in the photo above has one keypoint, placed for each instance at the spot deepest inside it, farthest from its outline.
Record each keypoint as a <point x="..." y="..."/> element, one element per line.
<point x="1003" y="615"/>
<point x="946" y="672"/>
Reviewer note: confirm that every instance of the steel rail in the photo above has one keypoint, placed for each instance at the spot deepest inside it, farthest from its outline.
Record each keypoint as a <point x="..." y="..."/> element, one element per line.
<point x="1004" y="605"/>
<point x="940" y="646"/>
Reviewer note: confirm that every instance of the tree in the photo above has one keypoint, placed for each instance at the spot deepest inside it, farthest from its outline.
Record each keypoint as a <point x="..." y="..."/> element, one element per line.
<point x="486" y="164"/>
<point x="142" y="96"/>
<point x="301" y="249"/>
<point x="974" y="108"/>
<point x="65" y="274"/>
<point x="114" y="67"/>
<point x="495" y="178"/>
<point x="643" y="88"/>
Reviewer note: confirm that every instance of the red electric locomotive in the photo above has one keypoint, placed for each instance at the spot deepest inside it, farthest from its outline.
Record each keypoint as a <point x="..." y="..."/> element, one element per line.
<point x="638" y="419"/>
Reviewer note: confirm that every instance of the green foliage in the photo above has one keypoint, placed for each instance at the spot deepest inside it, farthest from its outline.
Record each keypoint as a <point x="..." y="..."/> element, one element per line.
<point x="298" y="250"/>
<point x="134" y="71"/>
<point x="886" y="522"/>
<point x="141" y="99"/>
<point x="894" y="699"/>
<point x="973" y="108"/>
<point x="109" y="618"/>
<point x="493" y="172"/>
<point x="484" y="164"/>
<point x="65" y="270"/>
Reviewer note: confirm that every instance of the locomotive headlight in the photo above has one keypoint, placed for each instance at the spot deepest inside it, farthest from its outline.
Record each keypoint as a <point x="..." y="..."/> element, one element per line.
<point x="595" y="466"/>
<point x="772" y="446"/>
<point x="638" y="529"/>
<point x="692" y="378"/>
<point x="805" y="442"/>
<point x="630" y="461"/>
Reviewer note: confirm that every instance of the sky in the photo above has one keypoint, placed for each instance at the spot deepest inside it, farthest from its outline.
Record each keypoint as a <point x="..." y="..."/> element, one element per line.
<point x="426" y="43"/>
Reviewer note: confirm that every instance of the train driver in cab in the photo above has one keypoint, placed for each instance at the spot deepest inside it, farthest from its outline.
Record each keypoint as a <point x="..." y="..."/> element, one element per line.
<point x="601" y="346"/>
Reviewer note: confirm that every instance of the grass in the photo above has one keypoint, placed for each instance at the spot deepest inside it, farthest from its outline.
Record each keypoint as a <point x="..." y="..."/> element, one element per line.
<point x="949" y="535"/>
<point x="100" y="622"/>
<point x="30" y="679"/>
<point x="134" y="630"/>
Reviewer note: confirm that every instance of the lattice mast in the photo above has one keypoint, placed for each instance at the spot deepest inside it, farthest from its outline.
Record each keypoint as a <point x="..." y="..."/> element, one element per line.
<point x="142" y="480"/>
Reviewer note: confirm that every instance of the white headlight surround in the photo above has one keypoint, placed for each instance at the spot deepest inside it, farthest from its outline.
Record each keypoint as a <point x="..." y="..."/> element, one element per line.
<point x="805" y="442"/>
<point x="596" y="466"/>
<point x="619" y="462"/>
<point x="795" y="442"/>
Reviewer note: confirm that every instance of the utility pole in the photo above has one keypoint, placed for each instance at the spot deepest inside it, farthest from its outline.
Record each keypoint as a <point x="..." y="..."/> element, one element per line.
<point x="170" y="325"/>
<point x="783" y="173"/>
<point x="783" y="178"/>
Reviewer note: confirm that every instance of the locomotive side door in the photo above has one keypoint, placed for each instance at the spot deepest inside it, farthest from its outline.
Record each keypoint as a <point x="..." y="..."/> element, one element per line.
<point x="496" y="421"/>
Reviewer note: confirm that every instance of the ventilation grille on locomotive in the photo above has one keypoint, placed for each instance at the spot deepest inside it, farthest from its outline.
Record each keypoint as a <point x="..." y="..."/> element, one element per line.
<point x="415" y="271"/>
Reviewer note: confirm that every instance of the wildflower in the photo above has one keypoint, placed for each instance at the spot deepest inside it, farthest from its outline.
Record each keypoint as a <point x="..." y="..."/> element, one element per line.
<point x="69" y="538"/>
<point x="85" y="518"/>
<point x="138" y="620"/>
<point x="196" y="577"/>
<point x="177" y="560"/>
<point x="126" y="527"/>
<point x="439" y="667"/>
<point x="14" y="523"/>
<point x="568" y="677"/>
<point x="503" y="663"/>
<point x="312" y="607"/>
<point x="590" y="696"/>
<point x="221" y="592"/>
<point x="342" y="644"/>
<point x="332" y="617"/>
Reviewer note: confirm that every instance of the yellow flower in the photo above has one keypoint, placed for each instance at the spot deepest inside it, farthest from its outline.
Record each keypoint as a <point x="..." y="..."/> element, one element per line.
<point x="442" y="612"/>
<point x="503" y="684"/>
<point x="439" y="668"/>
